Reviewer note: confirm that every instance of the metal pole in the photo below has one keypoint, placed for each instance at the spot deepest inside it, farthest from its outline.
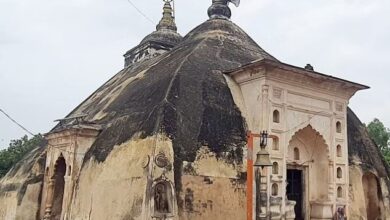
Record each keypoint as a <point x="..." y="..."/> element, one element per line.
<point x="249" y="180"/>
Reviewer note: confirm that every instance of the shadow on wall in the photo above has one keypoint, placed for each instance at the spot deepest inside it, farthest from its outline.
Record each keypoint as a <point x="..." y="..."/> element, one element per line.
<point x="373" y="196"/>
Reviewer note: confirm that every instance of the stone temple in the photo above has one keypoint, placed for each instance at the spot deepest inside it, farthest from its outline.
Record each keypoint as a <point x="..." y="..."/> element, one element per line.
<point x="174" y="135"/>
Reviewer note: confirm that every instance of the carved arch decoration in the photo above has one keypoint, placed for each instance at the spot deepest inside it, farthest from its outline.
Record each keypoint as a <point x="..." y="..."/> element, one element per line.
<point x="58" y="160"/>
<point x="320" y="137"/>
<point x="314" y="158"/>
<point x="55" y="189"/>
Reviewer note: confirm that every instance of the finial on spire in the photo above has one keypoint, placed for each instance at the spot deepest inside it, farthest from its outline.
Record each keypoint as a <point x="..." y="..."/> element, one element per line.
<point x="220" y="9"/>
<point x="167" y="22"/>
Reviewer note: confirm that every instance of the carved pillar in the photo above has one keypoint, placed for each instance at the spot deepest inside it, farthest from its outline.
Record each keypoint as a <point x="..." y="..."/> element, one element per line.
<point x="49" y="199"/>
<point x="265" y="178"/>
<point x="332" y="182"/>
<point x="67" y="196"/>
<point x="262" y="199"/>
<point x="265" y="108"/>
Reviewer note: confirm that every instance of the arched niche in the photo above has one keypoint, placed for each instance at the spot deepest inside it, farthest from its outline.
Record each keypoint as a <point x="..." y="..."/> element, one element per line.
<point x="340" y="192"/>
<point x="275" y="189"/>
<point x="275" y="143"/>
<point x="162" y="199"/>
<point x="297" y="155"/>
<point x="308" y="151"/>
<point x="276" y="116"/>
<point x="372" y="196"/>
<point x="275" y="168"/>
<point x="338" y="127"/>
<point x="59" y="186"/>
<point x="339" y="151"/>
<point x="339" y="173"/>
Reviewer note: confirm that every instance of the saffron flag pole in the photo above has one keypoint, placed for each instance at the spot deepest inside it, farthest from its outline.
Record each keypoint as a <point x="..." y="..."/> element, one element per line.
<point x="249" y="180"/>
<point x="250" y="174"/>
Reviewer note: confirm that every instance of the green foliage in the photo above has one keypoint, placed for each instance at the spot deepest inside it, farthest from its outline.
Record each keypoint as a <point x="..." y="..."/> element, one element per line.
<point x="16" y="151"/>
<point x="386" y="154"/>
<point x="381" y="136"/>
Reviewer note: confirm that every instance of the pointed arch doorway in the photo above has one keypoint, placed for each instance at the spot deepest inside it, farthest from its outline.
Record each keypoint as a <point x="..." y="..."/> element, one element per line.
<point x="56" y="187"/>
<point x="307" y="171"/>
<point x="59" y="187"/>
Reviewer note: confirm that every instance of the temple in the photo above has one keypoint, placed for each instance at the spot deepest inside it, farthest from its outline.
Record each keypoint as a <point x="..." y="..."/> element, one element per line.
<point x="174" y="136"/>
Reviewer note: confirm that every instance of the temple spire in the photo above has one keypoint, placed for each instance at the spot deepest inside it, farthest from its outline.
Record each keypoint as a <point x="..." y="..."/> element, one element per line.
<point x="220" y="9"/>
<point x="167" y="22"/>
<point x="160" y="41"/>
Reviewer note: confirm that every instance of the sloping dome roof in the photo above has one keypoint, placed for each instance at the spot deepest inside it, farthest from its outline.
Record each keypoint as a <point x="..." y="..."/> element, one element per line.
<point x="163" y="36"/>
<point x="360" y="145"/>
<point x="182" y="93"/>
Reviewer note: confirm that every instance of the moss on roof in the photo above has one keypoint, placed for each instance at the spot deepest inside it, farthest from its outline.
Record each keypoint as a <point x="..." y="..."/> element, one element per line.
<point x="361" y="146"/>
<point x="182" y="93"/>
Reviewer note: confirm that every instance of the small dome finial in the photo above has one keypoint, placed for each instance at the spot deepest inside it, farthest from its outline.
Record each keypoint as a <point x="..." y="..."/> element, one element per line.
<point x="220" y="9"/>
<point x="167" y="22"/>
<point x="309" y="67"/>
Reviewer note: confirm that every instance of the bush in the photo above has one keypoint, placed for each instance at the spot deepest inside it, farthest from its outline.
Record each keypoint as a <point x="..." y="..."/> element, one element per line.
<point x="16" y="151"/>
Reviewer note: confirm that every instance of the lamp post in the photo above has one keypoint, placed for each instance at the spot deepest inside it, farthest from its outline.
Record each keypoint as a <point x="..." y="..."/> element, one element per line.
<point x="262" y="161"/>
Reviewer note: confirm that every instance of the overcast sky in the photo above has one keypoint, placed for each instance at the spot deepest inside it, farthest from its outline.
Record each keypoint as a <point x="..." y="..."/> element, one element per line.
<point x="55" y="53"/>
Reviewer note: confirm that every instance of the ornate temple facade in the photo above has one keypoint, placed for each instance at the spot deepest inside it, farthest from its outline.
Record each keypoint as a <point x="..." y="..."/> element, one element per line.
<point x="305" y="113"/>
<point x="167" y="138"/>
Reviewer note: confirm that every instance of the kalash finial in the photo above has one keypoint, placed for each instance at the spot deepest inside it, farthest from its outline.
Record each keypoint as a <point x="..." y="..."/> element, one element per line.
<point x="167" y="22"/>
<point x="220" y="9"/>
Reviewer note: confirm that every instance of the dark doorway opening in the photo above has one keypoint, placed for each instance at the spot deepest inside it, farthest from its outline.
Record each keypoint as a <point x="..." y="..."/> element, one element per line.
<point x="59" y="181"/>
<point x="295" y="191"/>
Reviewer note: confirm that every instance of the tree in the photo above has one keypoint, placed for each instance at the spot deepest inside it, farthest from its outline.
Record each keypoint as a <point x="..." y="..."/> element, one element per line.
<point x="16" y="151"/>
<point x="381" y="136"/>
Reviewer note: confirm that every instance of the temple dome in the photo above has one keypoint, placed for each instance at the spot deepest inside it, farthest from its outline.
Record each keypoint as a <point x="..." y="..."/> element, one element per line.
<point x="166" y="30"/>
<point x="168" y="37"/>
<point x="160" y="41"/>
<point x="164" y="138"/>
<point x="187" y="83"/>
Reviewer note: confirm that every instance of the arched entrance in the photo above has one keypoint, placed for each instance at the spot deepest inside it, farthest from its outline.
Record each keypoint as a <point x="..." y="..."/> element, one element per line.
<point x="59" y="185"/>
<point x="307" y="171"/>
<point x="162" y="200"/>
<point x="372" y="197"/>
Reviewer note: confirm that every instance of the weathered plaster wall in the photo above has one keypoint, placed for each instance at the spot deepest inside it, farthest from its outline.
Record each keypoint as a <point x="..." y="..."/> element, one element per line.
<point x="369" y="200"/>
<point x="120" y="187"/>
<point x="114" y="189"/>
<point x="20" y="189"/>
<point x="213" y="198"/>
<point x="212" y="189"/>
<point x="8" y="205"/>
<point x="29" y="206"/>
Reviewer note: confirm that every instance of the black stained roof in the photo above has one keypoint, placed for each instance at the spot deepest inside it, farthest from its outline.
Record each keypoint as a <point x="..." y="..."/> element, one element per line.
<point x="360" y="145"/>
<point x="182" y="93"/>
